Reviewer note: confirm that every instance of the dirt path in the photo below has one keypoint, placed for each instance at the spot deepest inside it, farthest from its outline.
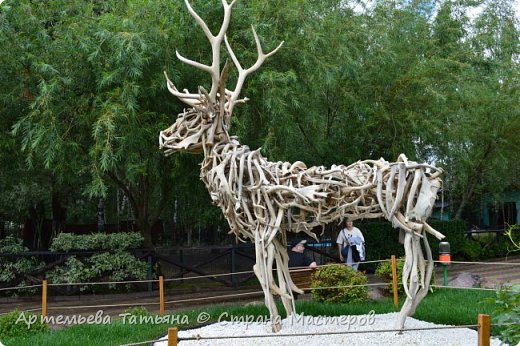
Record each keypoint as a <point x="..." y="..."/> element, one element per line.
<point x="115" y="304"/>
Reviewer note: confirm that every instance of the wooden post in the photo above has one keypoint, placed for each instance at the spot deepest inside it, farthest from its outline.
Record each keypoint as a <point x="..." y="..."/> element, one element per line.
<point x="161" y="295"/>
<point x="484" y="330"/>
<point x="172" y="336"/>
<point x="44" y="298"/>
<point x="394" y="281"/>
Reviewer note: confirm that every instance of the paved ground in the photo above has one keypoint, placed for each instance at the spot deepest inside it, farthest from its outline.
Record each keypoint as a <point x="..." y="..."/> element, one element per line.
<point x="497" y="272"/>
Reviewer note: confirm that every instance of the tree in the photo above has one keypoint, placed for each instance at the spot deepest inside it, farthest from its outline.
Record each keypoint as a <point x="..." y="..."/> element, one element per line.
<point x="482" y="145"/>
<point x="92" y="75"/>
<point x="85" y="95"/>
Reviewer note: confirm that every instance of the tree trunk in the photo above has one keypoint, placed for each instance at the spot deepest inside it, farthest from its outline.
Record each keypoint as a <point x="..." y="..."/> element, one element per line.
<point x="59" y="215"/>
<point x="139" y="199"/>
<point x="189" y="232"/>
<point x="33" y="230"/>
<point x="101" y="215"/>
<point x="145" y="228"/>
<point x="474" y="179"/>
<point x="465" y="198"/>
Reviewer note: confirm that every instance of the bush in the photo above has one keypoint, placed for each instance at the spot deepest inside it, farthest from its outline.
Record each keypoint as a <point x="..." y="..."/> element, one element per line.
<point x="333" y="275"/>
<point x="472" y="249"/>
<point x="119" y="265"/>
<point x="384" y="271"/>
<point x="513" y="235"/>
<point x="138" y="311"/>
<point x="106" y="266"/>
<point x="484" y="246"/>
<point x="96" y="241"/>
<point x="12" y="267"/>
<point x="14" y="324"/>
<point x="507" y="312"/>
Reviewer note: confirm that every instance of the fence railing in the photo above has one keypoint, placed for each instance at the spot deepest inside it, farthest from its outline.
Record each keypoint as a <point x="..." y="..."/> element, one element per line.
<point x="483" y="323"/>
<point x="160" y="282"/>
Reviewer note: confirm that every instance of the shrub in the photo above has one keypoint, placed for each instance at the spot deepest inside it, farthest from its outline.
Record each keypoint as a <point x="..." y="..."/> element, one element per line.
<point x="12" y="267"/>
<point x="14" y="324"/>
<point x="472" y="249"/>
<point x="105" y="266"/>
<point x="334" y="275"/>
<point x="138" y="311"/>
<point x="513" y="234"/>
<point x="507" y="313"/>
<point x="484" y="246"/>
<point x="118" y="265"/>
<point x="384" y="271"/>
<point x="96" y="241"/>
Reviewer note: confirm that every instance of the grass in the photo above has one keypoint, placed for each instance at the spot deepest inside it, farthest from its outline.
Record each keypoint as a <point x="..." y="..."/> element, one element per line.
<point x="445" y="306"/>
<point x="453" y="306"/>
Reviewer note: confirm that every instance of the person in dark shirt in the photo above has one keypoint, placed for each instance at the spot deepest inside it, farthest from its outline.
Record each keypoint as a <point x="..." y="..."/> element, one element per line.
<point x="297" y="257"/>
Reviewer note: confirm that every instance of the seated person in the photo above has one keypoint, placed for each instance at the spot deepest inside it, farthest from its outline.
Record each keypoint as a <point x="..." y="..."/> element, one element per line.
<point x="297" y="257"/>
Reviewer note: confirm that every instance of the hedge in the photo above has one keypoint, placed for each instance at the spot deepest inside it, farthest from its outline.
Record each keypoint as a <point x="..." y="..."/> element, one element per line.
<point x="382" y="240"/>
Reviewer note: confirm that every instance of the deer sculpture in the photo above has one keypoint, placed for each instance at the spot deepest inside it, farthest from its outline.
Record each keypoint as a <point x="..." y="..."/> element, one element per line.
<point x="263" y="200"/>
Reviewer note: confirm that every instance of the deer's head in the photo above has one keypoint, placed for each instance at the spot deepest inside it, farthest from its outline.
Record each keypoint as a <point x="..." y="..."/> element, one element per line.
<point x="207" y="119"/>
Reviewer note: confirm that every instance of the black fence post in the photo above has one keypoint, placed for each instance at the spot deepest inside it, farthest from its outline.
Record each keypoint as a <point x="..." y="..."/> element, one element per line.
<point x="233" y="265"/>
<point x="181" y="259"/>
<point x="150" y="271"/>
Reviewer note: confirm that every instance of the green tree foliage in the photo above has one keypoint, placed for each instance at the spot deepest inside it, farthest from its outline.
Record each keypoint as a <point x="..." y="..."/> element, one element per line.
<point x="83" y="92"/>
<point x="93" y="83"/>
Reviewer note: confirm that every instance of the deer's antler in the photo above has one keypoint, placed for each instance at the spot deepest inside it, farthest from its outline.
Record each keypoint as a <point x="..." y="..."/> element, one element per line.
<point x="242" y="74"/>
<point x="214" y="68"/>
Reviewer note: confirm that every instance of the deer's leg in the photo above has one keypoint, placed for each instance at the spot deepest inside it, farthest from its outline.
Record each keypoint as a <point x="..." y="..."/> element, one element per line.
<point x="262" y="270"/>
<point x="284" y="278"/>
<point x="410" y="276"/>
<point x="427" y="276"/>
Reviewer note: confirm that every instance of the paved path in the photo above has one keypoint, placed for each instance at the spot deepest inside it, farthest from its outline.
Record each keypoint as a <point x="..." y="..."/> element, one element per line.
<point x="497" y="272"/>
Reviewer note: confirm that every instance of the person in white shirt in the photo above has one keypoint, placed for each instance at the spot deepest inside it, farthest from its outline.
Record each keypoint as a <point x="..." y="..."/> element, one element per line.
<point x="348" y="238"/>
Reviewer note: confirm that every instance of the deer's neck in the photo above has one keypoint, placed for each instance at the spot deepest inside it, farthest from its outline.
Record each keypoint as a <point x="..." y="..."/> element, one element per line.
<point x="220" y="168"/>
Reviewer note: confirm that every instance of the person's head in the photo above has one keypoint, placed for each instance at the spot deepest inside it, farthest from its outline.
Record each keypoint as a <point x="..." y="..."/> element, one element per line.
<point x="298" y="245"/>
<point x="348" y="223"/>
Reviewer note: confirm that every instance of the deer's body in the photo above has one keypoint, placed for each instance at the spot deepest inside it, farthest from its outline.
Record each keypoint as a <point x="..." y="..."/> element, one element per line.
<point x="253" y="191"/>
<point x="264" y="200"/>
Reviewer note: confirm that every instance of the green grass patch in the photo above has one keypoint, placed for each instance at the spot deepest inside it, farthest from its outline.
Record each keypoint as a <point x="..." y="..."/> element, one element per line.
<point x="444" y="306"/>
<point x="454" y="306"/>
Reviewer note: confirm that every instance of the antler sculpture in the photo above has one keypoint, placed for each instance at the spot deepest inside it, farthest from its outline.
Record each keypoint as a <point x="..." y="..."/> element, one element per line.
<point x="264" y="200"/>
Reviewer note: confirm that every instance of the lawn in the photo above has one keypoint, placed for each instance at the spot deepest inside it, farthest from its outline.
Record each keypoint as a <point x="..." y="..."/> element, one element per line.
<point x="444" y="306"/>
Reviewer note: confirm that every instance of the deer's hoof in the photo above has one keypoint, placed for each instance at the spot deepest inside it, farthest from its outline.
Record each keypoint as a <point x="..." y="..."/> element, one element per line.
<point x="277" y="326"/>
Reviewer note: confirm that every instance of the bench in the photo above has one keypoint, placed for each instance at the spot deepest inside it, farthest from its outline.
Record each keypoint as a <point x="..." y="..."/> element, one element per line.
<point x="301" y="277"/>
